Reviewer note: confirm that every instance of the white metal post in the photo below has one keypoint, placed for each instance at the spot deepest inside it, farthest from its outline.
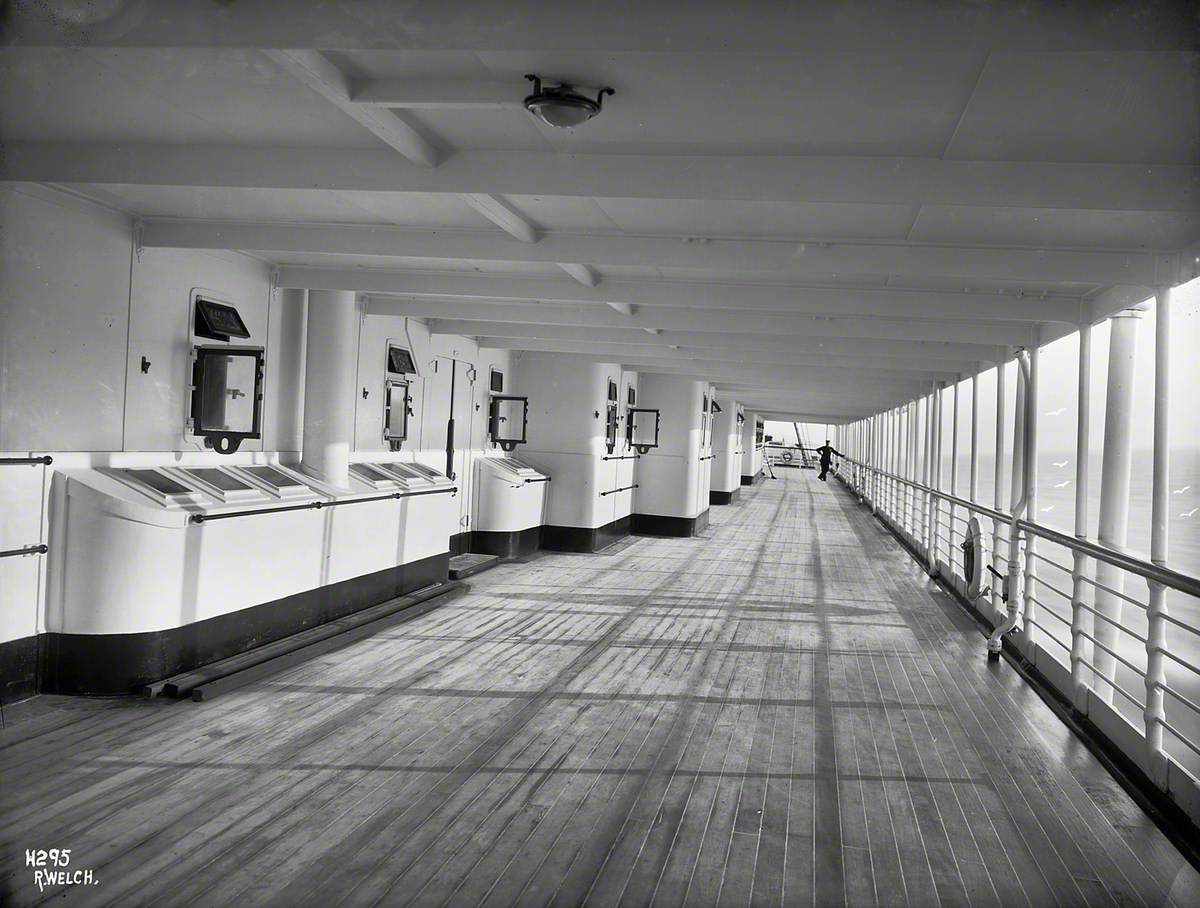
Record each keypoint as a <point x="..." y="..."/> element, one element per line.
<point x="1113" y="530"/>
<point x="998" y="486"/>
<point x="974" y="496"/>
<point x="1156" y="616"/>
<point x="953" y="475"/>
<point x="1081" y="619"/>
<point x="1029" y="470"/>
<point x="931" y="525"/>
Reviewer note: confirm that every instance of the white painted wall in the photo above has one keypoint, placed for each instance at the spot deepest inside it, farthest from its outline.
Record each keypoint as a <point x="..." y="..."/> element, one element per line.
<point x="79" y="308"/>
<point x="64" y="321"/>
<point x="727" y="446"/>
<point x="671" y="477"/>
<point x="752" y="454"/>
<point x="566" y="437"/>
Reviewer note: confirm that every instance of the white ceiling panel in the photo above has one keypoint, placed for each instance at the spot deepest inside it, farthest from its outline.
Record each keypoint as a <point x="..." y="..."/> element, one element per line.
<point x="307" y="206"/>
<point x="1099" y="107"/>
<point x="571" y="214"/>
<point x="777" y="220"/>
<point x="861" y="102"/>
<point x="1054" y="227"/>
<point x="164" y="95"/>
<point x="408" y="263"/>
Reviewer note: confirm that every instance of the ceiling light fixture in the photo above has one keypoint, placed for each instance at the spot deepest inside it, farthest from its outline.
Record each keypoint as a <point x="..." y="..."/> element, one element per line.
<point x="560" y="105"/>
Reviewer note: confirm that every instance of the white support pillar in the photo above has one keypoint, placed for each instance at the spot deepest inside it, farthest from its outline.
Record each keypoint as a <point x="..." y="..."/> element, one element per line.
<point x="1029" y="470"/>
<point x="330" y="361"/>
<point x="1082" y="624"/>
<point x="1154" y="713"/>
<point x="1113" y="529"/>
<point x="974" y="496"/>
<point x="998" y="537"/>
<point x="953" y="473"/>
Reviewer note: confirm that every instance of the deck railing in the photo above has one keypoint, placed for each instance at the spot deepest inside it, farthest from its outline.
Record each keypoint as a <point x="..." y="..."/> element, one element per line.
<point x="1131" y="669"/>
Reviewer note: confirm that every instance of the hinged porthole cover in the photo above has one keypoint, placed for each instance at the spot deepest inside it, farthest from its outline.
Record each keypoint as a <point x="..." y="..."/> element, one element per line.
<point x="638" y="432"/>
<point x="503" y="420"/>
<point x="396" y="411"/>
<point x="227" y="395"/>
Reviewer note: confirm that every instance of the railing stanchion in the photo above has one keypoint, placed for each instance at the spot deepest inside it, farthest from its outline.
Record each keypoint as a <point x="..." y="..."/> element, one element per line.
<point x="1155" y="714"/>
<point x="1082" y="624"/>
<point x="1029" y="477"/>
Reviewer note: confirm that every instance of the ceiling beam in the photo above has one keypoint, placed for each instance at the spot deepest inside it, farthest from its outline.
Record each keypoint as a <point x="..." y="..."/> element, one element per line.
<point x="890" y="302"/>
<point x="944" y="356"/>
<point x="763" y="178"/>
<point x="316" y="71"/>
<point x="581" y="274"/>
<point x="783" y="259"/>
<point x="503" y="215"/>
<point x="438" y="94"/>
<point x="711" y="321"/>
<point x="605" y="351"/>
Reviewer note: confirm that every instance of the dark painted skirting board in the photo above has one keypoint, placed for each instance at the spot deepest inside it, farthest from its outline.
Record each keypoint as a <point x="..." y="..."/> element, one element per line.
<point x="751" y="480"/>
<point x="516" y="544"/>
<point x="717" y="497"/>
<point x="584" y="539"/>
<point x="460" y="543"/>
<point x="659" y="525"/>
<point x="117" y="663"/>
<point x="19" y="668"/>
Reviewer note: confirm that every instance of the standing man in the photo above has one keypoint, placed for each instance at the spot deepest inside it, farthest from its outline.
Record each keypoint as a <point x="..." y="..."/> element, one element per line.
<point x="827" y="451"/>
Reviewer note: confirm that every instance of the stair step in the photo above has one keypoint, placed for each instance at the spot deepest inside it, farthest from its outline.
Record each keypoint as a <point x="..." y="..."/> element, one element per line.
<point x="470" y="563"/>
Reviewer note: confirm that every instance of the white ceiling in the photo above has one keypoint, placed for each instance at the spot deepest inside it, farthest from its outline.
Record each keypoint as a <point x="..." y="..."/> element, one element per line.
<point x="769" y="178"/>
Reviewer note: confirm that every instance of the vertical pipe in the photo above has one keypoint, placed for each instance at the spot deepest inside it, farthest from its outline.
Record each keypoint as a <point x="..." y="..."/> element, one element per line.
<point x="939" y="418"/>
<point x="998" y="546"/>
<point x="1155" y="714"/>
<point x="974" y="496"/>
<point x="1081" y="618"/>
<point x="1113" y="529"/>
<point x="953" y="474"/>
<point x="330" y="361"/>
<point x="1029" y="470"/>
<point x="1020" y="507"/>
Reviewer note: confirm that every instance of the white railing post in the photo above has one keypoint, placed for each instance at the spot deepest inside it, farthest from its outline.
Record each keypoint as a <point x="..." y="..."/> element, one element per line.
<point x="935" y="463"/>
<point x="974" y="496"/>
<point x="1081" y="618"/>
<point x="1029" y="477"/>
<point x="953" y="475"/>
<point x="998" y="486"/>
<point x="1155" y="714"/>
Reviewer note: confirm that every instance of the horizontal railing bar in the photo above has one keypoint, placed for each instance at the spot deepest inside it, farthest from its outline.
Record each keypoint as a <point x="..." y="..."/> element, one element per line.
<point x="1107" y="620"/>
<point x="1194" y="707"/>
<point x="1181" y="737"/>
<point x="1108" y="589"/>
<point x="1150" y="571"/>
<point x="1170" y="655"/>
<point x="1140" y="672"/>
<point x="1049" y="611"/>
<point x="622" y="489"/>
<point x="1146" y="569"/>
<point x="1050" y="586"/>
<point x="1050" y="561"/>
<point x="1048" y="632"/>
<point x="40" y="549"/>
<point x="318" y="505"/>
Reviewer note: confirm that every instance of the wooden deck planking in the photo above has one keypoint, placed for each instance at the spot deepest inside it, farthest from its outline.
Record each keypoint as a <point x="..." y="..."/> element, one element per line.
<point x="784" y="712"/>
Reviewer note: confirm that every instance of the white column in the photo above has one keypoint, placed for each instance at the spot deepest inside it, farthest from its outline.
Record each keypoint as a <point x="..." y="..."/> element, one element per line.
<point x="974" y="496"/>
<point x="1154" y="713"/>
<point x="1029" y="468"/>
<point x="1114" y="485"/>
<point x="1081" y="619"/>
<point x="998" y="537"/>
<point x="329" y="379"/>
<point x="953" y="473"/>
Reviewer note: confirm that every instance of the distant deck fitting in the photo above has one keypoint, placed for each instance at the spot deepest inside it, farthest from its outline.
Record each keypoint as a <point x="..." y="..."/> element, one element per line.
<point x="782" y="711"/>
